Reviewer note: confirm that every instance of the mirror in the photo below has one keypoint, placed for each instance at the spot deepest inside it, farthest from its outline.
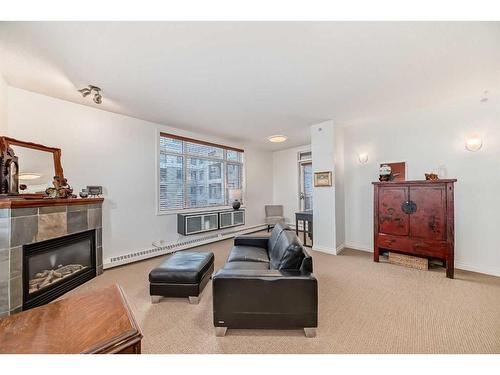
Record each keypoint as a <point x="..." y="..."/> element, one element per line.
<point x="36" y="170"/>
<point x="37" y="165"/>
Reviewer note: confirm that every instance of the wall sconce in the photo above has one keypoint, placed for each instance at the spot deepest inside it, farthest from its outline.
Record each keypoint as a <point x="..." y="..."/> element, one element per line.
<point x="474" y="144"/>
<point x="363" y="158"/>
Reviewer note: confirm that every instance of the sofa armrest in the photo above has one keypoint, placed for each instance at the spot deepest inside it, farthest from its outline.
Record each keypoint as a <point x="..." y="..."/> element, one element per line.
<point x="256" y="241"/>
<point x="264" y="299"/>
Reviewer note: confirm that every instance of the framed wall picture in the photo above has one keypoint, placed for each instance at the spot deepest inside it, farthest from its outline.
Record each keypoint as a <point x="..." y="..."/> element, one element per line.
<point x="322" y="179"/>
<point x="94" y="190"/>
<point x="398" y="170"/>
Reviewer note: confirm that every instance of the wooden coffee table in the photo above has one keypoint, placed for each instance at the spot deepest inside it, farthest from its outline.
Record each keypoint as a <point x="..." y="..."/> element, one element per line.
<point x="96" y="322"/>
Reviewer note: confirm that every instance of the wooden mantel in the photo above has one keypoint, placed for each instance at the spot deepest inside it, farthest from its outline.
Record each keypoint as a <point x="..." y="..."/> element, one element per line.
<point x="14" y="202"/>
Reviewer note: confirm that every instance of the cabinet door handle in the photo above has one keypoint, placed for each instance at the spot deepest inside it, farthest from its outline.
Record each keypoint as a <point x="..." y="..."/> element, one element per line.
<point x="409" y="207"/>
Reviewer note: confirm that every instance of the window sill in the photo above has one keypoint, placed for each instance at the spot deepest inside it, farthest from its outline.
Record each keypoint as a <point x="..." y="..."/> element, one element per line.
<point x="194" y="210"/>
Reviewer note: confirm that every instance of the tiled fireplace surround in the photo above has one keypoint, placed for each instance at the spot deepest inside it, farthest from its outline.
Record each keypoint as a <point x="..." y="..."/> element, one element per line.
<point x="20" y="226"/>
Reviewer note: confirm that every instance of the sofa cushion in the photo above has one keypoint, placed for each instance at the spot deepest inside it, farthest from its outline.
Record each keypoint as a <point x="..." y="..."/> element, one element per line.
<point x="249" y="240"/>
<point x="293" y="258"/>
<point x="248" y="254"/>
<point x="246" y="266"/>
<point x="275" y="235"/>
<point x="288" y="253"/>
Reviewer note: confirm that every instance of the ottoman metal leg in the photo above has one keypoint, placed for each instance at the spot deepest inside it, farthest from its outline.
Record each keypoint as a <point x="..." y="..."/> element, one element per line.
<point x="310" y="332"/>
<point x="155" y="299"/>
<point x="220" y="331"/>
<point x="194" y="300"/>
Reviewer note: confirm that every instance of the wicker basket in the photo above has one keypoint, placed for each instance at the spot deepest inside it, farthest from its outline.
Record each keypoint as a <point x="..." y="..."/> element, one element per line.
<point x="409" y="261"/>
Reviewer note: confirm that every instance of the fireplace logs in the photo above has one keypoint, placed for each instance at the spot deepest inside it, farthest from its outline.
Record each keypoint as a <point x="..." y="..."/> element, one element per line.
<point x="48" y="277"/>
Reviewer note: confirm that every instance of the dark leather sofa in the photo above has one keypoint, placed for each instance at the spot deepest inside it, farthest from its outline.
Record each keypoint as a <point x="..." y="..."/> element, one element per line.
<point x="267" y="282"/>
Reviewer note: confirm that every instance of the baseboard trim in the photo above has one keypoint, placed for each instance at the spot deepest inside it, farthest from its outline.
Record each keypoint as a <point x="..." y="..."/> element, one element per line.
<point x="328" y="250"/>
<point x="172" y="248"/>
<point x="340" y="249"/>
<point x="322" y="249"/>
<point x="357" y="246"/>
<point x="477" y="269"/>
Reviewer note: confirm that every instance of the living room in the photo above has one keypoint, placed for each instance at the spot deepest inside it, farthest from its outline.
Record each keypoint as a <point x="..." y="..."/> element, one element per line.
<point x="303" y="187"/>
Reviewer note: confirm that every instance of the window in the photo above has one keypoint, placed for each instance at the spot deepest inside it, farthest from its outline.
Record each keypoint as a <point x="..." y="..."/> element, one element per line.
<point x="305" y="180"/>
<point x="307" y="177"/>
<point x="215" y="171"/>
<point x="195" y="174"/>
<point x="305" y="155"/>
<point x="233" y="176"/>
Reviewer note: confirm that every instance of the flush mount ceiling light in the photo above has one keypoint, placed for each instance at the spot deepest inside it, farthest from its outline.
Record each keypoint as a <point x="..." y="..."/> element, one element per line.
<point x="29" y="176"/>
<point x="88" y="90"/>
<point x="277" y="138"/>
<point x="474" y="144"/>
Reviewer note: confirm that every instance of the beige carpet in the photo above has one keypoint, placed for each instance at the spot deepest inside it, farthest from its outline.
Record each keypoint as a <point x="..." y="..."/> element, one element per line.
<point x="364" y="307"/>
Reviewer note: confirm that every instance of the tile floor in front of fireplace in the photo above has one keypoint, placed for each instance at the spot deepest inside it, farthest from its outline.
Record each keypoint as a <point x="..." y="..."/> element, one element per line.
<point x="364" y="307"/>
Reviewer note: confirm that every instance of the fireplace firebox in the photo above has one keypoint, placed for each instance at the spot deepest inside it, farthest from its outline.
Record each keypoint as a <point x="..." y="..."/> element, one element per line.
<point x="54" y="267"/>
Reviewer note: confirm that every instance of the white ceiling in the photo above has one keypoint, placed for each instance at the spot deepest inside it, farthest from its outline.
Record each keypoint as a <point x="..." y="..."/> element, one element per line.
<point x="247" y="80"/>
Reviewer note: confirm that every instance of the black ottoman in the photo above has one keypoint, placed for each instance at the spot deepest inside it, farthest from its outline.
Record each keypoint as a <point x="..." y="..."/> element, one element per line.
<point x="184" y="274"/>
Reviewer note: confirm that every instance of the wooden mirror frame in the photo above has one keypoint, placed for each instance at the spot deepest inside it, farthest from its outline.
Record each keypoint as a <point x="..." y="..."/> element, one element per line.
<point x="6" y="142"/>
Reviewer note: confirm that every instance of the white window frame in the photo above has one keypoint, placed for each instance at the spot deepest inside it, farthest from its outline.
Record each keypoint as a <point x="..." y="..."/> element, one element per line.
<point x="184" y="155"/>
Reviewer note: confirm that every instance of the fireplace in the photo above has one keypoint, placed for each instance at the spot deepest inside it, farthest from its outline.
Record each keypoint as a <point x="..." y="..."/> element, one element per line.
<point x="25" y="225"/>
<point x="54" y="267"/>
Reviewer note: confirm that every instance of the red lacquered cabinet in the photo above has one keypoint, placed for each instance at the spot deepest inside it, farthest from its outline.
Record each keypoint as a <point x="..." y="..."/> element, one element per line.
<point x="415" y="218"/>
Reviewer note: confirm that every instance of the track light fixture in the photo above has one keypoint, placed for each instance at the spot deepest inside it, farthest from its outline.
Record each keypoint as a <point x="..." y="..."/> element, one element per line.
<point x="88" y="90"/>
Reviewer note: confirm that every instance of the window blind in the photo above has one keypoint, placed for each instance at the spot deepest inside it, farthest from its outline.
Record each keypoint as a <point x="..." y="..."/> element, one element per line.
<point x="196" y="174"/>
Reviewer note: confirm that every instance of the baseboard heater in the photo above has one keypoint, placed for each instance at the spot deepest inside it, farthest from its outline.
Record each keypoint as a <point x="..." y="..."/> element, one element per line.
<point x="182" y="244"/>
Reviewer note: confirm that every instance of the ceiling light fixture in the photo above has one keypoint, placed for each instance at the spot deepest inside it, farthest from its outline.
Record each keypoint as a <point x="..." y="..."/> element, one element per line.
<point x="277" y="138"/>
<point x="88" y="90"/>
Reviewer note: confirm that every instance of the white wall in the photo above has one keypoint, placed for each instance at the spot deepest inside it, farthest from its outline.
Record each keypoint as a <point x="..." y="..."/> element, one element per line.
<point x="286" y="183"/>
<point x="323" y="160"/>
<point x="3" y="106"/>
<point x="433" y="139"/>
<point x="286" y="180"/>
<point x="119" y="153"/>
<point x="339" y="177"/>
